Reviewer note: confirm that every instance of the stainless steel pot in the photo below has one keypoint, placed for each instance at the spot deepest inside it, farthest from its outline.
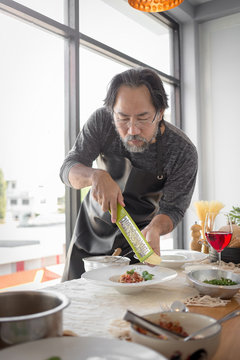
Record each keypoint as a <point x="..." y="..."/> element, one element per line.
<point x="30" y="315"/>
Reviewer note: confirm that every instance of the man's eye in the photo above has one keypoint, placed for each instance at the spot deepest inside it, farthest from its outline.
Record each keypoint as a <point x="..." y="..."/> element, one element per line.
<point x="124" y="120"/>
<point x="143" y="120"/>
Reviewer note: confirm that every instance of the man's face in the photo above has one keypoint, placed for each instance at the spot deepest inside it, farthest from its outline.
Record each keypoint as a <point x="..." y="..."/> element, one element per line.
<point x="135" y="117"/>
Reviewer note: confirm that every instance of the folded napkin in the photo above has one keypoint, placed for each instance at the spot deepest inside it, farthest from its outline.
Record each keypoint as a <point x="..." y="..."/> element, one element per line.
<point x="205" y="300"/>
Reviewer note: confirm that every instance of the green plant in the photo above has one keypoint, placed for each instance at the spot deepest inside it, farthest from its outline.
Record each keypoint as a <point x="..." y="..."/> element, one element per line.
<point x="235" y="215"/>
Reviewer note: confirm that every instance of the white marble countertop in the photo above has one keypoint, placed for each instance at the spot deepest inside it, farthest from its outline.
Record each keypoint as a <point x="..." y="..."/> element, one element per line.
<point x="93" y="307"/>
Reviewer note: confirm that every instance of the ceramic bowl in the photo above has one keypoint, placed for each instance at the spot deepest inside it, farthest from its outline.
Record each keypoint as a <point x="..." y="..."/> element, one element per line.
<point x="196" y="278"/>
<point x="173" y="261"/>
<point x="109" y="276"/>
<point x="96" y="262"/>
<point x="206" y="345"/>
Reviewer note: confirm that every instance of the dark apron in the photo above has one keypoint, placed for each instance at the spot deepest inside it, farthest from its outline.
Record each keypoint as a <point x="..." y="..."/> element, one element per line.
<point x="94" y="233"/>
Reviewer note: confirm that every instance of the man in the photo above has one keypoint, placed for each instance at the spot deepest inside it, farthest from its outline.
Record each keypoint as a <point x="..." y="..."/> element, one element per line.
<point x="144" y="163"/>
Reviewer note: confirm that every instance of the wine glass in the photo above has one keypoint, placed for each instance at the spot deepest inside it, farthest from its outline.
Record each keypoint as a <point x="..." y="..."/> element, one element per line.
<point x="218" y="231"/>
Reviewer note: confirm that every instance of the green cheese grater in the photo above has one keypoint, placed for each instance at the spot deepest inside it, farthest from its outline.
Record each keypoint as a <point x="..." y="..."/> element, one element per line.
<point x="135" y="238"/>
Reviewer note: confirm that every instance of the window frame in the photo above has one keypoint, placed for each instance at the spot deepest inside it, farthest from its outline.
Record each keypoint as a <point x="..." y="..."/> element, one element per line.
<point x="73" y="40"/>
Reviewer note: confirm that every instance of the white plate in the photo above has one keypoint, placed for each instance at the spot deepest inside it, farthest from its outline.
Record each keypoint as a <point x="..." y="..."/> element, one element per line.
<point x="103" y="277"/>
<point x="80" y="348"/>
<point x="189" y="257"/>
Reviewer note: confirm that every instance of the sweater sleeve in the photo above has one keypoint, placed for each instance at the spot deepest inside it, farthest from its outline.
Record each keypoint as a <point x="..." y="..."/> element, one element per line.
<point x="88" y="144"/>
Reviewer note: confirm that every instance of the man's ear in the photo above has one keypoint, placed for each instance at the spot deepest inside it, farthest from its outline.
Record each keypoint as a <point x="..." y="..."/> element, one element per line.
<point x="161" y="113"/>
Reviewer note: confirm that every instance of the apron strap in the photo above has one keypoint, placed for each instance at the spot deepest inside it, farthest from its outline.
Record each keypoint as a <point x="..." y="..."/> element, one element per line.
<point x="160" y="175"/>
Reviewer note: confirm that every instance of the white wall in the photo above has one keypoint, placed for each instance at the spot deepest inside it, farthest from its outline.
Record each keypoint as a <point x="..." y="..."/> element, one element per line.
<point x="210" y="58"/>
<point x="190" y="114"/>
<point x="220" y="109"/>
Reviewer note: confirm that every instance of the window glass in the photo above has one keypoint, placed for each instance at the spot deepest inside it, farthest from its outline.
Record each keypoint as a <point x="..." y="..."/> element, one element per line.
<point x="94" y="81"/>
<point x="135" y="33"/>
<point x="167" y="115"/>
<point x="53" y="8"/>
<point x="96" y="71"/>
<point x="31" y="147"/>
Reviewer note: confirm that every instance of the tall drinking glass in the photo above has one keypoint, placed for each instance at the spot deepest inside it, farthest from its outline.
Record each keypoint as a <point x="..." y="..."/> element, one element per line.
<point x="218" y="231"/>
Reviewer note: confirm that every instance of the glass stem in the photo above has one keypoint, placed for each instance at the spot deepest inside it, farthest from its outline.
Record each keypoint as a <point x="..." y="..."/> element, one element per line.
<point x="219" y="258"/>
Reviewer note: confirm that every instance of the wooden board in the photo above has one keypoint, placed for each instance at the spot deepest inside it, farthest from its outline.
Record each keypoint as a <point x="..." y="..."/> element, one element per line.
<point x="229" y="348"/>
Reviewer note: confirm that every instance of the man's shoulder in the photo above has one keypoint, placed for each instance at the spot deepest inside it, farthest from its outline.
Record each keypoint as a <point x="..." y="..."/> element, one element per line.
<point x="100" y="120"/>
<point x="100" y="128"/>
<point x="102" y="112"/>
<point x="177" y="135"/>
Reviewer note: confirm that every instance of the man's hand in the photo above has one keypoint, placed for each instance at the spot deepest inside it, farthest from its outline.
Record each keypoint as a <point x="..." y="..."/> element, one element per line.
<point x="106" y="192"/>
<point x="153" y="237"/>
<point x="104" y="189"/>
<point x="160" y="225"/>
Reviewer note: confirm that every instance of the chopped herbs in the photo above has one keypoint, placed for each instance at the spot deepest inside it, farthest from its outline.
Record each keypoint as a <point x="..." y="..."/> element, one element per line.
<point x="145" y="274"/>
<point x="223" y="281"/>
<point x="130" y="272"/>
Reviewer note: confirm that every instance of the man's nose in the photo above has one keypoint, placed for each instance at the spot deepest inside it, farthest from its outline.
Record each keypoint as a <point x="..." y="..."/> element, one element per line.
<point x="133" y="129"/>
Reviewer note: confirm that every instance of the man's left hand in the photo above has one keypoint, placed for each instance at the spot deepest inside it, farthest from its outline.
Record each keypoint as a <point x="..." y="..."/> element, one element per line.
<point x="160" y="225"/>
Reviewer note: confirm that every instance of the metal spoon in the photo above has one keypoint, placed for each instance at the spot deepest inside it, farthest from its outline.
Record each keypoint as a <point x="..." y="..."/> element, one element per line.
<point x="121" y="256"/>
<point x="225" y="318"/>
<point x="178" y="306"/>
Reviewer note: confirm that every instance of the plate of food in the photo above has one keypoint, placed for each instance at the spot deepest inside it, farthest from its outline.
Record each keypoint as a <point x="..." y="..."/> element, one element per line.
<point x="130" y="279"/>
<point x="176" y="258"/>
<point x="75" y="348"/>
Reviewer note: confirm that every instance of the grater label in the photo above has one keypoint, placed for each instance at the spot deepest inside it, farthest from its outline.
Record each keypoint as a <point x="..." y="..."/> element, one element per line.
<point x="134" y="236"/>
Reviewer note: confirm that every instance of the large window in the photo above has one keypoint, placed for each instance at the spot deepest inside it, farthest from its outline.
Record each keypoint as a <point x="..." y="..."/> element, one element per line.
<point x="132" y="32"/>
<point x="31" y="150"/>
<point x="116" y="37"/>
<point x="53" y="9"/>
<point x="54" y="74"/>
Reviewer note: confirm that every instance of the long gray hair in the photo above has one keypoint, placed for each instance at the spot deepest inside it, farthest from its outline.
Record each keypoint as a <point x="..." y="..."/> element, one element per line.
<point x="134" y="78"/>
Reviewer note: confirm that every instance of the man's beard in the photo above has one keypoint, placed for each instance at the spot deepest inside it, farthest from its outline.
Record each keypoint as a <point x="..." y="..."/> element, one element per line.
<point x="134" y="148"/>
<point x="138" y="149"/>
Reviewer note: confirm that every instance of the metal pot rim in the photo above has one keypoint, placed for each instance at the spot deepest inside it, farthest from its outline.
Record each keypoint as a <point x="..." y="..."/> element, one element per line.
<point x="64" y="303"/>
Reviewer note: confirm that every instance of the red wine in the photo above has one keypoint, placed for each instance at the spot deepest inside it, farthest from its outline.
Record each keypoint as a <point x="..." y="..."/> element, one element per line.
<point x="218" y="239"/>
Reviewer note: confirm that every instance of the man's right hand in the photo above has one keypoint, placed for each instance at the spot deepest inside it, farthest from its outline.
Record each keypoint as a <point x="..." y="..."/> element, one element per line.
<point x="106" y="192"/>
<point x="104" y="189"/>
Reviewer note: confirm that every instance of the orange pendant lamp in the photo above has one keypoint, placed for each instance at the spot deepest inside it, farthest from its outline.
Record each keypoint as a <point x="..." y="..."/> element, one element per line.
<point x="154" y="5"/>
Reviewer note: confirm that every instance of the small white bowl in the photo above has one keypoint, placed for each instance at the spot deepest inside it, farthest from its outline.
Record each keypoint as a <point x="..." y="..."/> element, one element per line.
<point x="173" y="257"/>
<point x="190" y="322"/>
<point x="173" y="261"/>
<point x="96" y="262"/>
